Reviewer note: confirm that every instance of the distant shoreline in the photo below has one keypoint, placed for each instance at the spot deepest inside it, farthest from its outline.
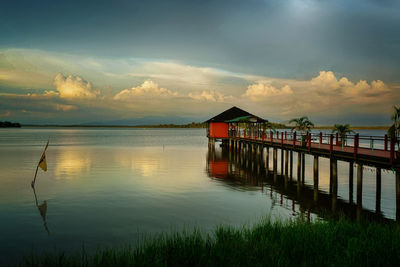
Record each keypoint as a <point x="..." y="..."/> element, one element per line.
<point x="186" y="126"/>
<point x="165" y="126"/>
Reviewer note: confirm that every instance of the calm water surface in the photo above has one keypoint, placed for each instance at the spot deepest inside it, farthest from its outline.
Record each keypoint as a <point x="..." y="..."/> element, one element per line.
<point x="109" y="187"/>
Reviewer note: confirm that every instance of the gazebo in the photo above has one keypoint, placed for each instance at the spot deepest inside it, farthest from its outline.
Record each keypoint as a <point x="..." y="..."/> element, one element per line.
<point x="227" y="124"/>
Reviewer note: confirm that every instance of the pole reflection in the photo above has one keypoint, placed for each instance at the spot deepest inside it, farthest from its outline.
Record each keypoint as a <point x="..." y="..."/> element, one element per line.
<point x="42" y="210"/>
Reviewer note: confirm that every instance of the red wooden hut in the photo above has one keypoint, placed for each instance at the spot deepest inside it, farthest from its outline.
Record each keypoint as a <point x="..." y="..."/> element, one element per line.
<point x="220" y="125"/>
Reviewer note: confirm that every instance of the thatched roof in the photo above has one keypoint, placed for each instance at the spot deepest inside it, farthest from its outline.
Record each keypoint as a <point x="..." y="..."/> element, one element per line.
<point x="235" y="114"/>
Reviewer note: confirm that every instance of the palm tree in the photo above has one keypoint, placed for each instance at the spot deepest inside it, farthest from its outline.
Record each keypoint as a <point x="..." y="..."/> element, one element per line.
<point x="342" y="130"/>
<point x="394" y="130"/>
<point x="302" y="124"/>
<point x="268" y="125"/>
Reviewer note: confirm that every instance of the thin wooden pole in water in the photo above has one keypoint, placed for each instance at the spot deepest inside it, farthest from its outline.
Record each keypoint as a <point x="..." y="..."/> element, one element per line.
<point x="378" y="190"/>
<point x="351" y="174"/>
<point x="316" y="174"/>
<point x="359" y="190"/>
<point x="34" y="179"/>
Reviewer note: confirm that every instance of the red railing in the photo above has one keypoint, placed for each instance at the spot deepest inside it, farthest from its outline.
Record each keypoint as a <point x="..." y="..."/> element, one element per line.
<point x="379" y="146"/>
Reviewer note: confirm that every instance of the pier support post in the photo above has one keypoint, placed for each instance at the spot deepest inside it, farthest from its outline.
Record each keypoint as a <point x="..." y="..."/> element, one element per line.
<point x="275" y="163"/>
<point x="241" y="158"/>
<point x="316" y="174"/>
<point x="286" y="163"/>
<point x="359" y="190"/>
<point x="397" y="196"/>
<point x="286" y="176"/>
<point x="303" y="166"/>
<point x="267" y="159"/>
<point x="282" y="156"/>
<point x="351" y="183"/>
<point x="378" y="190"/>
<point x="291" y="165"/>
<point x="298" y="171"/>
<point x="334" y="184"/>
<point x="247" y="155"/>
<point x="252" y="163"/>
<point x="330" y="176"/>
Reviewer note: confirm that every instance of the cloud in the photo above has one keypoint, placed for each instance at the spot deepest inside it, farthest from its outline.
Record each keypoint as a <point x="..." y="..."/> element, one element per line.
<point x="74" y="87"/>
<point x="39" y="81"/>
<point x="64" y="107"/>
<point x="324" y="94"/>
<point x="151" y="89"/>
<point x="210" y="95"/>
<point x="260" y="91"/>
<point x="177" y="72"/>
<point x="147" y="89"/>
<point x="327" y="80"/>
<point x="5" y="114"/>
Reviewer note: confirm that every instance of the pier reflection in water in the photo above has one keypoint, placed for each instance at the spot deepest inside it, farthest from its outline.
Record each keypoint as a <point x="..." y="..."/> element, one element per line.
<point x="246" y="169"/>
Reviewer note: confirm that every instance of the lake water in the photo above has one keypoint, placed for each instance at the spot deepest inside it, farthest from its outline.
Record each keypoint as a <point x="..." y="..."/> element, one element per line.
<point x="109" y="187"/>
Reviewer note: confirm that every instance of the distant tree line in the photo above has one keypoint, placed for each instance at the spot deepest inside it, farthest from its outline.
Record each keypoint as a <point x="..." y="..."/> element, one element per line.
<point x="189" y="125"/>
<point x="7" y="124"/>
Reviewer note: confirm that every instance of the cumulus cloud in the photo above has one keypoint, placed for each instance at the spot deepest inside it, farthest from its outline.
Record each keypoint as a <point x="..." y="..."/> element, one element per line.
<point x="260" y="91"/>
<point x="323" y="94"/>
<point x="147" y="89"/>
<point x="210" y="95"/>
<point x="74" y="87"/>
<point x="327" y="80"/>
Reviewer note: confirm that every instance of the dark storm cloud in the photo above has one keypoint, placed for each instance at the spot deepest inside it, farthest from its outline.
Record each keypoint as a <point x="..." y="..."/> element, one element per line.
<point x="294" y="38"/>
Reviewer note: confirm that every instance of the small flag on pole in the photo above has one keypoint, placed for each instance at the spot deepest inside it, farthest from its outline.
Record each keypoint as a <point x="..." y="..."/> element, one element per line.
<point x="42" y="163"/>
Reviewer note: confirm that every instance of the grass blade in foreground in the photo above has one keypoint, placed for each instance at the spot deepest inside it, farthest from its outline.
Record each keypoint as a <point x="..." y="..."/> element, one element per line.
<point x="268" y="243"/>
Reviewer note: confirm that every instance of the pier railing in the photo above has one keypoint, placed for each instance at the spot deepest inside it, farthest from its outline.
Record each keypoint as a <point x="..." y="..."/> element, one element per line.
<point x="378" y="146"/>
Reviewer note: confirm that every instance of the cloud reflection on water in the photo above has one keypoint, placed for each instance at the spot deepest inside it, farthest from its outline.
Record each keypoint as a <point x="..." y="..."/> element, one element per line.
<point x="70" y="163"/>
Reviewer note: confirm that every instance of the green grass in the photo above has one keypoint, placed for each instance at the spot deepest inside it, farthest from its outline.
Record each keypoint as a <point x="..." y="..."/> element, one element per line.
<point x="290" y="243"/>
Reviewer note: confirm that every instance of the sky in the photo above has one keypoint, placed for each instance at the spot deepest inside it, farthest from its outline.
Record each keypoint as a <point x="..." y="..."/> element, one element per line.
<point x="66" y="62"/>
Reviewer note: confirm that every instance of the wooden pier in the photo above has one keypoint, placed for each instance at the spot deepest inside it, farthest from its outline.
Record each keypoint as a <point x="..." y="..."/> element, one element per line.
<point x="248" y="144"/>
<point x="245" y="134"/>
